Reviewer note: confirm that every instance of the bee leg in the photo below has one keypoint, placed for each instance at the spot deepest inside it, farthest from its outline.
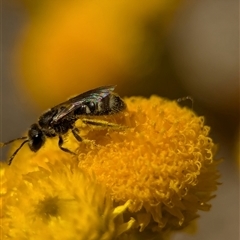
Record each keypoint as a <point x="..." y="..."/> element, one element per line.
<point x="102" y="123"/>
<point x="75" y="134"/>
<point x="60" y="143"/>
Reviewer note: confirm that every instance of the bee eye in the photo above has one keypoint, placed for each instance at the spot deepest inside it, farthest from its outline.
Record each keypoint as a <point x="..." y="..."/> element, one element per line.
<point x="36" y="138"/>
<point x="91" y="106"/>
<point x="37" y="142"/>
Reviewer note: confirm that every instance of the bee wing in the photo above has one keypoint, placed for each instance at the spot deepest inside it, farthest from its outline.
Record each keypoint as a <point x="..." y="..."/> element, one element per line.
<point x="74" y="103"/>
<point x="94" y="94"/>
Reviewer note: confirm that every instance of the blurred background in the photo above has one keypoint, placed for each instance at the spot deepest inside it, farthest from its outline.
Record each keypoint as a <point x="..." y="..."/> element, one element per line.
<point x="52" y="50"/>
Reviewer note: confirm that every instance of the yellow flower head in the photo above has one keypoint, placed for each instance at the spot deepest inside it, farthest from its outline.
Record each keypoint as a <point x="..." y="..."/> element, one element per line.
<point x="163" y="162"/>
<point x="150" y="170"/>
<point x="59" y="203"/>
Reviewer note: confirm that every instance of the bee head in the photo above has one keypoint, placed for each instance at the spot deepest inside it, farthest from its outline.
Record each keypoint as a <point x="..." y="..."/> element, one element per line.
<point x="36" y="138"/>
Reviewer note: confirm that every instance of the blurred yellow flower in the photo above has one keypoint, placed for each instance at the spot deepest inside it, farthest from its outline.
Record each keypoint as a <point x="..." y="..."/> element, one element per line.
<point x="59" y="203"/>
<point x="146" y="179"/>
<point x="72" y="46"/>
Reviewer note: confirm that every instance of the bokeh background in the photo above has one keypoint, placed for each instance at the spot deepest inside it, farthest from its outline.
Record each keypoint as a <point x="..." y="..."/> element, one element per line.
<point x="52" y="50"/>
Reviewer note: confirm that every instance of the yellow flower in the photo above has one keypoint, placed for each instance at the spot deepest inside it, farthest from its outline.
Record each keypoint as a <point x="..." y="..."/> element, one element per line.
<point x="59" y="203"/>
<point x="147" y="177"/>
<point x="97" y="40"/>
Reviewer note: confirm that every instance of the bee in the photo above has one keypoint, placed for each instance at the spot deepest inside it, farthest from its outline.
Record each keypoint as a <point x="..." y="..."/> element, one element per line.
<point x="61" y="119"/>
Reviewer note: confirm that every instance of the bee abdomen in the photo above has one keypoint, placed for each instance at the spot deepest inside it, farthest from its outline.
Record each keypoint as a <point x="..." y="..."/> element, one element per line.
<point x="110" y="105"/>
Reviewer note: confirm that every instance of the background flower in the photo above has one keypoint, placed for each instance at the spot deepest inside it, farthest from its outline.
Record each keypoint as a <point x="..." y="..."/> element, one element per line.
<point x="89" y="43"/>
<point x="58" y="203"/>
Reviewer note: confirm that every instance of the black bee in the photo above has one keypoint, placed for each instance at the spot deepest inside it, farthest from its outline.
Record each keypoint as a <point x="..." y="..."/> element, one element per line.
<point x="58" y="120"/>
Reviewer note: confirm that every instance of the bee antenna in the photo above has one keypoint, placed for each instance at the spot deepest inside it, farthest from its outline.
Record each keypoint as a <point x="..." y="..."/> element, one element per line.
<point x="6" y="143"/>
<point x="14" y="154"/>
